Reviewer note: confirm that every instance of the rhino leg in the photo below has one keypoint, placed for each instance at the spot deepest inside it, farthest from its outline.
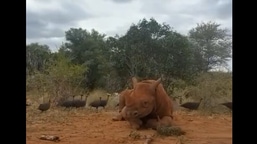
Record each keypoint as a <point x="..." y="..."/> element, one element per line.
<point x="120" y="116"/>
<point x="121" y="102"/>
<point x="135" y="123"/>
<point x="167" y="121"/>
<point x="152" y="123"/>
<point x="164" y="121"/>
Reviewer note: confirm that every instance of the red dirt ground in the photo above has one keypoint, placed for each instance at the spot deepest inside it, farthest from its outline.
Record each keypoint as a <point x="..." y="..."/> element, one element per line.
<point x="83" y="126"/>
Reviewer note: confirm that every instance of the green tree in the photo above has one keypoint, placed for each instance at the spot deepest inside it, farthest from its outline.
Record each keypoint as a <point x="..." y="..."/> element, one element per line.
<point x="36" y="57"/>
<point x="212" y="45"/>
<point x="149" y="50"/>
<point x="89" y="49"/>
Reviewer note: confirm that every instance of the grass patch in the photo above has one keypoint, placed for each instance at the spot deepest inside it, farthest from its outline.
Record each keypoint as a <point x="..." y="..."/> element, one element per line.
<point x="214" y="87"/>
<point x="181" y="140"/>
<point x="135" y="135"/>
<point x="94" y="95"/>
<point x="170" y="131"/>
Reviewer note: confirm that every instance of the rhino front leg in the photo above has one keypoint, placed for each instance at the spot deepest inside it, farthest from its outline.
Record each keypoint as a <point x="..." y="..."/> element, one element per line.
<point x="152" y="123"/>
<point x="121" y="115"/>
<point x="121" y="102"/>
<point x="164" y="121"/>
<point x="135" y="123"/>
<point x="167" y="121"/>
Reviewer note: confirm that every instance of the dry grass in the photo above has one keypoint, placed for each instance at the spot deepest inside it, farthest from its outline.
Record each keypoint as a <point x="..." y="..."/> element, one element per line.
<point x="54" y="114"/>
<point x="113" y="100"/>
<point x="170" y="131"/>
<point x="36" y="98"/>
<point x="58" y="114"/>
<point x="214" y="88"/>
<point x="181" y="140"/>
<point x="135" y="135"/>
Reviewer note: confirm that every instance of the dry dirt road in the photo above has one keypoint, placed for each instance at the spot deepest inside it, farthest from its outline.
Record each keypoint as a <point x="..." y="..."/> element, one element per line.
<point x="83" y="126"/>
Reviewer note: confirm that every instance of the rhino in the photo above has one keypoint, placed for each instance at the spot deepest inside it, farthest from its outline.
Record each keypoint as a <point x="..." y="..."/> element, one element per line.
<point x="146" y="105"/>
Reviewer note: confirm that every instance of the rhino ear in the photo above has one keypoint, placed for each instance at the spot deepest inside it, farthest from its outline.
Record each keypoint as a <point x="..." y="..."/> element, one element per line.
<point x="134" y="81"/>
<point x="156" y="83"/>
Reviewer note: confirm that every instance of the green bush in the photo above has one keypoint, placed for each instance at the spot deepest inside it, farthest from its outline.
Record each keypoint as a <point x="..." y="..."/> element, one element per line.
<point x="61" y="78"/>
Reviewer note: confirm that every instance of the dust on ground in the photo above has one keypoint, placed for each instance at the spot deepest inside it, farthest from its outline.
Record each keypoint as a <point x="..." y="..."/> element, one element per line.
<point x="86" y="126"/>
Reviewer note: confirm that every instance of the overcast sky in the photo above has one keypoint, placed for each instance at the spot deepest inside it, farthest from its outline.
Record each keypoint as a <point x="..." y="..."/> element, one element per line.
<point x="47" y="20"/>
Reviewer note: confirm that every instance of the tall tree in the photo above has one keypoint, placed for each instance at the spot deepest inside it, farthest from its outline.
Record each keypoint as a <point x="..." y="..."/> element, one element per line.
<point x="212" y="45"/>
<point x="149" y="50"/>
<point x="87" y="48"/>
<point x="36" y="57"/>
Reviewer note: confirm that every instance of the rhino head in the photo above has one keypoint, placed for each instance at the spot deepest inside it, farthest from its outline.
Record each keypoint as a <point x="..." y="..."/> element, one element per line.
<point x="141" y="102"/>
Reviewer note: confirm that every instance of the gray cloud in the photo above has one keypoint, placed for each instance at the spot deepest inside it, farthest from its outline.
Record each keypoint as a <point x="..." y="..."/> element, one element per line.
<point x="52" y="22"/>
<point x="121" y="1"/>
<point x="120" y="30"/>
<point x="225" y="10"/>
<point x="38" y="28"/>
<point x="185" y="15"/>
<point x="53" y="43"/>
<point x="70" y="14"/>
<point x="211" y="9"/>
